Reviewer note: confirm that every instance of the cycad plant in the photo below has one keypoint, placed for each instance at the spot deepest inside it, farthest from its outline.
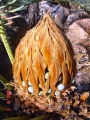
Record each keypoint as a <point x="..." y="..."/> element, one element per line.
<point x="43" y="62"/>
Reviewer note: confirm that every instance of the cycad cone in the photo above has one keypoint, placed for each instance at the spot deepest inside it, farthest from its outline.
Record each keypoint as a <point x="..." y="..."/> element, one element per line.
<point x="44" y="49"/>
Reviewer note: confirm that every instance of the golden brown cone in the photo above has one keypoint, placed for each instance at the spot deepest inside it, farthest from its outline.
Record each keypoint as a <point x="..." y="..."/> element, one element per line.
<point x="44" y="49"/>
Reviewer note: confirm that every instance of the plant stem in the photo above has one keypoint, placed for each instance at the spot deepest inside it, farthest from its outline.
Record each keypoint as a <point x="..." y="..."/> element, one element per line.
<point x="5" y="40"/>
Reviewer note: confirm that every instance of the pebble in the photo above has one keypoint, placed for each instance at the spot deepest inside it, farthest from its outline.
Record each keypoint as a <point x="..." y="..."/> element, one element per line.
<point x="23" y="83"/>
<point x="60" y="78"/>
<point x="30" y="89"/>
<point x="41" y="92"/>
<point x="57" y="93"/>
<point x="49" y="91"/>
<point x="46" y="75"/>
<point x="60" y="87"/>
<point x="73" y="80"/>
<point x="29" y="83"/>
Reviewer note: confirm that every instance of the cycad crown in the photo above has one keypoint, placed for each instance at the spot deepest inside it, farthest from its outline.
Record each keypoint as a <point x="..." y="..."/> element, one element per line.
<point x="43" y="56"/>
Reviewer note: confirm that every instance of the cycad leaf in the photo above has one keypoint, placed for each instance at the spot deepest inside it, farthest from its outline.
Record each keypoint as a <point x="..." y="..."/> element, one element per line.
<point x="3" y="108"/>
<point x="4" y="82"/>
<point x="42" y="117"/>
<point x="3" y="6"/>
<point x="2" y="95"/>
<point x="17" y="9"/>
<point x="10" y="3"/>
<point x="18" y="118"/>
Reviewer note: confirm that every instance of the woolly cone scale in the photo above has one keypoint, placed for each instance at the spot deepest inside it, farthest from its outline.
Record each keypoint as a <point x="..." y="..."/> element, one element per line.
<point x="44" y="49"/>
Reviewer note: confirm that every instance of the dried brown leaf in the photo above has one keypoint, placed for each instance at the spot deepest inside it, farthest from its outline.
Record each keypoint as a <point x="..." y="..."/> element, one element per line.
<point x="76" y="103"/>
<point x="84" y="96"/>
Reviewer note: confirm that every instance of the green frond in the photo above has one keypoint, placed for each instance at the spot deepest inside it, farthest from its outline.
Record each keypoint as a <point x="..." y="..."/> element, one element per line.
<point x="3" y="96"/>
<point x="4" y="82"/>
<point x="5" y="40"/>
<point x="10" y="3"/>
<point x="3" y="109"/>
<point x="16" y="9"/>
<point x="18" y="118"/>
<point x="42" y="117"/>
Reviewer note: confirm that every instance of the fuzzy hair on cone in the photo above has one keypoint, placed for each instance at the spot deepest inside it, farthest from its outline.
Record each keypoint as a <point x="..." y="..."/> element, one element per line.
<point x="44" y="58"/>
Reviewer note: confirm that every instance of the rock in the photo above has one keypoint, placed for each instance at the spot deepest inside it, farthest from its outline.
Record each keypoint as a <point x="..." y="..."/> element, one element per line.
<point x="58" y="13"/>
